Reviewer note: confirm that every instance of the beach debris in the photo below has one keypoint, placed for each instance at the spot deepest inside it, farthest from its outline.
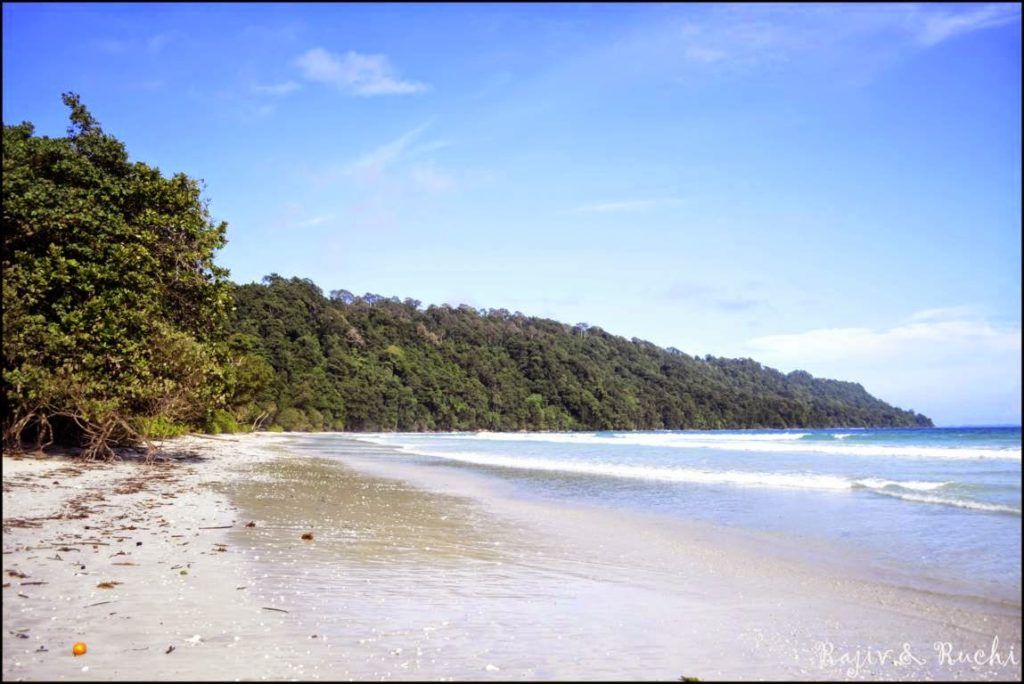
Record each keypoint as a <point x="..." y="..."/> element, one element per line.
<point x="194" y="639"/>
<point x="685" y="678"/>
<point x="20" y="633"/>
<point x="15" y="573"/>
<point x="279" y="610"/>
<point x="183" y="572"/>
<point x="169" y="649"/>
<point x="107" y="585"/>
<point x="308" y="536"/>
<point x="492" y="668"/>
<point x="42" y="649"/>
<point x="98" y="604"/>
<point x="217" y="527"/>
<point x="138" y="543"/>
<point x="79" y="648"/>
<point x="251" y="523"/>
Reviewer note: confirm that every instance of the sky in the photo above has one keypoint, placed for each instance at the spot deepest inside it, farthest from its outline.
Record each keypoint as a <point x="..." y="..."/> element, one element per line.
<point x="827" y="187"/>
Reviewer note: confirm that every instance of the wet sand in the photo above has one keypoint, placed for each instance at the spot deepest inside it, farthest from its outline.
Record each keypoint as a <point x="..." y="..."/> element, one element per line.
<point x="416" y="572"/>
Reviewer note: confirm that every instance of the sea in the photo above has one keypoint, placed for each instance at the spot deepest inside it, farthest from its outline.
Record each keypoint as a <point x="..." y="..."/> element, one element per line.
<point x="934" y="508"/>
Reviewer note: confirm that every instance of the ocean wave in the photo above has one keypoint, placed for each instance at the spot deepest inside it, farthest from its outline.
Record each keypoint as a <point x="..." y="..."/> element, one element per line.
<point x="656" y="438"/>
<point x="787" y="442"/>
<point x="879" y="484"/>
<point x="915" y="491"/>
<point x="682" y="475"/>
<point x="959" y="503"/>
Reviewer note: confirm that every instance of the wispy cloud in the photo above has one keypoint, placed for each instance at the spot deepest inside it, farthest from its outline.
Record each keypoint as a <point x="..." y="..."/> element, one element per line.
<point x="355" y="73"/>
<point x="314" y="221"/>
<point x="944" y="361"/>
<point x="846" y="42"/>
<point x="945" y="313"/>
<point x="277" y="89"/>
<point x="432" y="179"/>
<point x="371" y="165"/>
<point x="400" y="163"/>
<point x="704" y="296"/>
<point x="111" y="46"/>
<point x="939" y="23"/>
<point x="925" y="332"/>
<point x="626" y="205"/>
<point x="153" y="44"/>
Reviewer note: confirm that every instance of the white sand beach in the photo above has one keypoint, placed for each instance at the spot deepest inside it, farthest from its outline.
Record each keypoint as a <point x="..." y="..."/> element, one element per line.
<point x="419" y="573"/>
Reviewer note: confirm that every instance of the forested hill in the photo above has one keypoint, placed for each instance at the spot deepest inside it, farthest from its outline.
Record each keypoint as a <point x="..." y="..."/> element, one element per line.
<point x="119" y="328"/>
<point x="373" y="363"/>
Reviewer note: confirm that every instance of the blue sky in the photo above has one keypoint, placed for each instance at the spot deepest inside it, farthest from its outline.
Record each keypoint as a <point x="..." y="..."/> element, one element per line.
<point x="835" y="188"/>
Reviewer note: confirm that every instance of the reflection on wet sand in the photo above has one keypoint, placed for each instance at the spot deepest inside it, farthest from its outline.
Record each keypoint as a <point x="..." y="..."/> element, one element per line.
<point x="418" y="574"/>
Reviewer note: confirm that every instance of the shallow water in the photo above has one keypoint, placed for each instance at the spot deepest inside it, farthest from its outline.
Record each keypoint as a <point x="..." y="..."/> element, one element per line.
<point x="425" y="567"/>
<point x="928" y="506"/>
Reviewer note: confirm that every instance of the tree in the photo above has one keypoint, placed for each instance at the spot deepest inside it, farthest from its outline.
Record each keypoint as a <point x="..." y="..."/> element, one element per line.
<point x="113" y="308"/>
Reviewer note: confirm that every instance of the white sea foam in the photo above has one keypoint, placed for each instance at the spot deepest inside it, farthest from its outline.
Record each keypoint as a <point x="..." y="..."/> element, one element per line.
<point x="676" y="474"/>
<point x="842" y="435"/>
<point x="959" y="503"/>
<point x="784" y="442"/>
<point x="878" y="483"/>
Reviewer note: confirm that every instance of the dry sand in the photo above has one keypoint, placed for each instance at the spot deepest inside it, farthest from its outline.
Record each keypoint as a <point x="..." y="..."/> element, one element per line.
<point x="420" y="573"/>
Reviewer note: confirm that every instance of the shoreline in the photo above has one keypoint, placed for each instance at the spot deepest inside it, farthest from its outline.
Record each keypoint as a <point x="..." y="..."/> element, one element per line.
<point x="416" y="573"/>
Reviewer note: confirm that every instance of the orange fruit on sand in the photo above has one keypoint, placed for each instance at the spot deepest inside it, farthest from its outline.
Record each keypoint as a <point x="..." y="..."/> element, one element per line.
<point x="78" y="649"/>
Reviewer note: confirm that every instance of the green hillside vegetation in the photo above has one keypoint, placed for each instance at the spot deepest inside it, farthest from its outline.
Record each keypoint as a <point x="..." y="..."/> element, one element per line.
<point x="376" y="363"/>
<point x="119" y="327"/>
<point x="113" y="309"/>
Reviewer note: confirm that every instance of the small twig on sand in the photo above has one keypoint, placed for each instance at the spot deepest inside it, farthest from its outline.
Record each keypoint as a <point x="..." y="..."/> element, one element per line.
<point x="275" y="609"/>
<point x="218" y="527"/>
<point x="98" y="604"/>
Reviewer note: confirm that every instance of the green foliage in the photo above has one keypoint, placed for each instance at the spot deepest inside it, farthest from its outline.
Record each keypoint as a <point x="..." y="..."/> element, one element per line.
<point x="112" y="306"/>
<point x="159" y="427"/>
<point x="372" y="363"/>
<point x="114" y="331"/>
<point x="221" y="421"/>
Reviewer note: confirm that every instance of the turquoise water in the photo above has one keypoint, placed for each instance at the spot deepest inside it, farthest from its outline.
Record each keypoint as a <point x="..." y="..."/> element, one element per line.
<point x="940" y="504"/>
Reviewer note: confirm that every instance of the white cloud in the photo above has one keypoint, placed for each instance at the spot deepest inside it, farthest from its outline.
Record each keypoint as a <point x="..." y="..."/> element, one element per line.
<point x="944" y="313"/>
<point x="938" y="25"/>
<point x="432" y="179"/>
<point x="157" y="43"/>
<point x="283" y="88"/>
<point x="931" y="337"/>
<point x="846" y="43"/>
<point x="111" y="46"/>
<point x="315" y="221"/>
<point x="627" y="205"/>
<point x="355" y="73"/>
<point x="950" y="363"/>
<point x="372" y="164"/>
<point x="697" y="53"/>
